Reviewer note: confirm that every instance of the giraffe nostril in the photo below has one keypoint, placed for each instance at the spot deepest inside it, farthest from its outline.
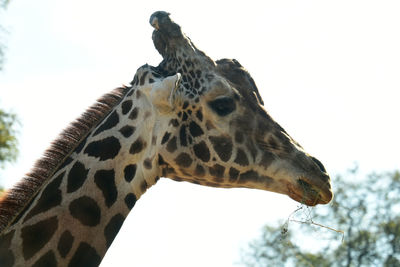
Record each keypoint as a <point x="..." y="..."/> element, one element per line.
<point x="319" y="164"/>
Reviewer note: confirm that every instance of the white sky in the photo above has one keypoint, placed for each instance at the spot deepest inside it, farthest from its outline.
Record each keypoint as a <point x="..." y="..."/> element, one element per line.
<point x="328" y="71"/>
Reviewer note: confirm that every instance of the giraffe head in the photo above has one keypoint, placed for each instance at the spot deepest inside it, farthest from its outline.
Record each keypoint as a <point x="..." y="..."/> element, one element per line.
<point x="219" y="133"/>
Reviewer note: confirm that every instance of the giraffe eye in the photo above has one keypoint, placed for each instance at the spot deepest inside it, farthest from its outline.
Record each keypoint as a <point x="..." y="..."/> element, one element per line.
<point x="222" y="106"/>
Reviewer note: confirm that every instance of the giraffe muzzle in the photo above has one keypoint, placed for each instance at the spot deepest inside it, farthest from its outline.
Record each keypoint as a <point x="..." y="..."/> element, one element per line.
<point x="309" y="193"/>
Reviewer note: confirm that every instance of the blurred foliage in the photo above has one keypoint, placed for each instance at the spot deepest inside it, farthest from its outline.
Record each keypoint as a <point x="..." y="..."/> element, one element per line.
<point x="8" y="140"/>
<point x="3" y="5"/>
<point x="8" y="121"/>
<point x="365" y="209"/>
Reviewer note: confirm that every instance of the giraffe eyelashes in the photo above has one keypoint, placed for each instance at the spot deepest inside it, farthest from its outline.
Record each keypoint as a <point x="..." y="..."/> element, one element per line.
<point x="223" y="106"/>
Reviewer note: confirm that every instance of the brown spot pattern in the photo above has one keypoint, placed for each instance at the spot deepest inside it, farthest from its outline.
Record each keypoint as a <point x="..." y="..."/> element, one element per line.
<point x="85" y="256"/>
<point x="217" y="171"/>
<point x="127" y="130"/>
<point x="51" y="197"/>
<point x="134" y="114"/>
<point x="76" y="177"/>
<point x="104" y="149"/>
<point x="65" y="243"/>
<point x="201" y="151"/>
<point x="137" y="146"/>
<point x="129" y="172"/>
<point x="48" y="260"/>
<point x="35" y="236"/>
<point x="7" y="258"/>
<point x="171" y="146"/>
<point x="223" y="146"/>
<point x="112" y="228"/>
<point x="105" y="181"/>
<point x="86" y="210"/>
<point x="241" y="158"/>
<point x="183" y="159"/>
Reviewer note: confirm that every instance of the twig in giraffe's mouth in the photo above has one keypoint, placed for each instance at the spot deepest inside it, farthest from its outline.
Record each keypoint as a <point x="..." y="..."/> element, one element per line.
<point x="307" y="220"/>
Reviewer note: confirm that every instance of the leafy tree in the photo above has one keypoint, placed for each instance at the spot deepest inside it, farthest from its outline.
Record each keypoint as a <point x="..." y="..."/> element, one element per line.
<point x="366" y="211"/>
<point x="8" y="140"/>
<point x="8" y="121"/>
<point x="3" y="5"/>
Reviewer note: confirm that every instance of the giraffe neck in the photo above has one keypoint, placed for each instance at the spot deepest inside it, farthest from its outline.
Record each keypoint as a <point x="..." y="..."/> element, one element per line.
<point x="76" y="214"/>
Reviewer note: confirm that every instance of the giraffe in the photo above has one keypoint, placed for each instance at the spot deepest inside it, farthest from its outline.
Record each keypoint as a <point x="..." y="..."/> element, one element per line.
<point x="189" y="119"/>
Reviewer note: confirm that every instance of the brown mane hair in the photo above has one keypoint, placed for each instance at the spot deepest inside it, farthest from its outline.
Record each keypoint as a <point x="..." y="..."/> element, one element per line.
<point x="15" y="199"/>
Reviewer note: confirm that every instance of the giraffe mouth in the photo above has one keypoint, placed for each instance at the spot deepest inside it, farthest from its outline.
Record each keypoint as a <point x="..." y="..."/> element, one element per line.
<point x="311" y="195"/>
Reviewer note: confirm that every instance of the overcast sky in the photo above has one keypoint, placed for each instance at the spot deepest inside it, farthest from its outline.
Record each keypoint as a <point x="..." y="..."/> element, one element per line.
<point x="328" y="71"/>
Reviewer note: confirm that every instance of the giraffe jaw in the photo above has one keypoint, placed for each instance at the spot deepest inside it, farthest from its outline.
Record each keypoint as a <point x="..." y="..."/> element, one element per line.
<point x="310" y="193"/>
<point x="304" y="180"/>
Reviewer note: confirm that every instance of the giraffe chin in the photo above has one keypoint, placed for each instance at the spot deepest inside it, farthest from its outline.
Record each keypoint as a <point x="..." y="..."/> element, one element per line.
<point x="303" y="192"/>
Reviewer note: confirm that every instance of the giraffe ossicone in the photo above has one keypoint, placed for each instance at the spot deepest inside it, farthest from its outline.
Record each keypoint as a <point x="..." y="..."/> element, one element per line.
<point x="189" y="119"/>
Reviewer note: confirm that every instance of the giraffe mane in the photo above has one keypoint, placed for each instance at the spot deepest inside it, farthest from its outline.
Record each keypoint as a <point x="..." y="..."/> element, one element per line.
<point x="17" y="198"/>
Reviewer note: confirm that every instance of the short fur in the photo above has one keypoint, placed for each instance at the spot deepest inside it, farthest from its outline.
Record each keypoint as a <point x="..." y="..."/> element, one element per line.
<point x="20" y="195"/>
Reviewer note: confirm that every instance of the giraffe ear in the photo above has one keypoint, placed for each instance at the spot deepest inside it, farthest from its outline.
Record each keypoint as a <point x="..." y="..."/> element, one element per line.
<point x="162" y="93"/>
